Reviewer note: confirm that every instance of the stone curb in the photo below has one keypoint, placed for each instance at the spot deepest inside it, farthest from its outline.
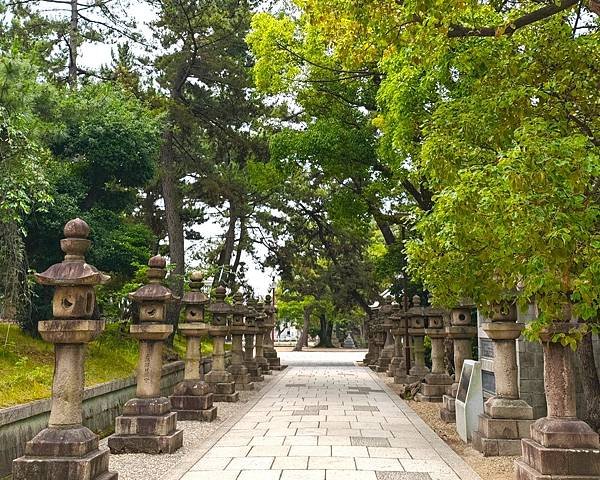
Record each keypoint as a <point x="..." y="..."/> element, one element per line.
<point x="190" y="460"/>
<point x="458" y="465"/>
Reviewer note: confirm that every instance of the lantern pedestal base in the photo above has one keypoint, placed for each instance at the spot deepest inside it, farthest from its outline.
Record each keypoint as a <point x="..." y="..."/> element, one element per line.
<point x="241" y="377"/>
<point x="147" y="426"/>
<point x="273" y="360"/>
<point x="192" y="400"/>
<point x="222" y="385"/>
<point x="500" y="436"/>
<point x="255" y="372"/>
<point x="395" y="364"/>
<point x="434" y="387"/>
<point x="264" y="365"/>
<point x="68" y="454"/>
<point x="448" y="410"/>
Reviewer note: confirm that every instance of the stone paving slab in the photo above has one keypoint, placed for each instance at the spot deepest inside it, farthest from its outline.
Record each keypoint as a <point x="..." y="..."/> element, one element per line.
<point x="339" y="434"/>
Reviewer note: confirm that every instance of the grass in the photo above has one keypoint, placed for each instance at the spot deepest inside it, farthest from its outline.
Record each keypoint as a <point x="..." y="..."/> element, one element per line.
<point x="27" y="363"/>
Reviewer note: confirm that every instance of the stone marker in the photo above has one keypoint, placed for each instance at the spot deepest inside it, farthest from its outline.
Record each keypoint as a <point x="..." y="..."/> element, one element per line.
<point x="469" y="400"/>
<point x="397" y="362"/>
<point x="506" y="418"/>
<point x="260" y="335"/>
<point x="67" y="450"/>
<point x="220" y="380"/>
<point x="369" y="333"/>
<point x="561" y="447"/>
<point x="349" y="341"/>
<point x="387" y="352"/>
<point x="148" y="424"/>
<point x="416" y="317"/>
<point x="461" y="332"/>
<point x="249" y="335"/>
<point x="241" y="377"/>
<point x="437" y="381"/>
<point x="378" y="337"/>
<point x="269" y="351"/>
<point x="192" y="398"/>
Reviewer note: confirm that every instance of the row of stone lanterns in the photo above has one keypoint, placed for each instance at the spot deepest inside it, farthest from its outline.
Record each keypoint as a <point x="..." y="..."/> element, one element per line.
<point x="148" y="424"/>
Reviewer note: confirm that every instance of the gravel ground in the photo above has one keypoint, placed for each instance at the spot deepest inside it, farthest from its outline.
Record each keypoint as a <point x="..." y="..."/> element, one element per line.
<point x="141" y="466"/>
<point x="489" y="468"/>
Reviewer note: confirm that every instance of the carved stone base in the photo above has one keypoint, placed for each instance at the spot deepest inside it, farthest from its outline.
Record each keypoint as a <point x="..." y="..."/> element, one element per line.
<point x="147" y="426"/>
<point x="495" y="447"/>
<point x="254" y="371"/>
<point x="499" y="436"/>
<point x="542" y="463"/>
<point x="227" y="397"/>
<point x="434" y="387"/>
<point x="192" y="400"/>
<point x="69" y="454"/>
<point x="448" y="410"/>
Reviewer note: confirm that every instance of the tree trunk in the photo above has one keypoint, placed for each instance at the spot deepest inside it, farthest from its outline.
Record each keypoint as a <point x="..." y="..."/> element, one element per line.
<point x="324" y="332"/>
<point x="224" y="260"/>
<point x="303" y="340"/>
<point x="73" y="44"/>
<point x="590" y="381"/>
<point x="173" y="205"/>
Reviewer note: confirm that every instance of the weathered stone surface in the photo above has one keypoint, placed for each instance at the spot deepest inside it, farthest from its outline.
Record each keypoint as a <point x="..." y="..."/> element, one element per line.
<point x="142" y="425"/>
<point x="146" y="444"/>
<point x="561" y="461"/>
<point x="61" y="442"/>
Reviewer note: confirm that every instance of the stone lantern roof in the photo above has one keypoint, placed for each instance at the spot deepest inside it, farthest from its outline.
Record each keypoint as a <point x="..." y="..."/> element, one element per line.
<point x="73" y="270"/>
<point x="154" y="291"/>
<point x="195" y="296"/>
<point x="220" y="306"/>
<point x="238" y="307"/>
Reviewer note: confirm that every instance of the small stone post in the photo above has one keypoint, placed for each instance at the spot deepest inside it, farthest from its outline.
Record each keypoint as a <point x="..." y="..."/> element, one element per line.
<point x="250" y="332"/>
<point x="148" y="425"/>
<point x="506" y="418"/>
<point x="436" y="383"/>
<point x="462" y="333"/>
<point x="396" y="361"/>
<point x="268" y="348"/>
<point x="192" y="398"/>
<point x="262" y="329"/>
<point x="67" y="450"/>
<point x="561" y="446"/>
<point x="387" y="352"/>
<point x="237" y="368"/>
<point x="416" y="316"/>
<point x="220" y="380"/>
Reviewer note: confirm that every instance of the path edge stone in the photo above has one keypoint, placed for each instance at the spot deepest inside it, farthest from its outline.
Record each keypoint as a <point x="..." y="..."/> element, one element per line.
<point x="454" y="461"/>
<point x="194" y="457"/>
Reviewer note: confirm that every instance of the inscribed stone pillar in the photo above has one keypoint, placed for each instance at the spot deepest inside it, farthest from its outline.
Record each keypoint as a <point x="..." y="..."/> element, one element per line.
<point x="437" y="381"/>
<point x="387" y="352"/>
<point x="397" y="359"/>
<point x="378" y="337"/>
<point x="416" y="317"/>
<point x="269" y="351"/>
<point x="249" y="335"/>
<point x="220" y="380"/>
<point x="368" y="330"/>
<point x="506" y="418"/>
<point x="66" y="449"/>
<point x="237" y="368"/>
<point x="192" y="398"/>
<point x="462" y="333"/>
<point x="148" y="424"/>
<point x="561" y="447"/>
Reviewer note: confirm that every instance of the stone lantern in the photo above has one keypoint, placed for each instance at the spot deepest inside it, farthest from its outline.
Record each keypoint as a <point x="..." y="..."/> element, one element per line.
<point x="561" y="445"/>
<point x="506" y="418"/>
<point x="416" y="329"/>
<point x="66" y="449"/>
<point x="368" y="327"/>
<point x="387" y="352"/>
<point x="148" y="424"/>
<point x="462" y="333"/>
<point x="192" y="398"/>
<point x="250" y="332"/>
<point x="397" y="332"/>
<point x="237" y="368"/>
<point x="437" y="381"/>
<point x="268" y="348"/>
<point x="260" y="335"/>
<point x="219" y="379"/>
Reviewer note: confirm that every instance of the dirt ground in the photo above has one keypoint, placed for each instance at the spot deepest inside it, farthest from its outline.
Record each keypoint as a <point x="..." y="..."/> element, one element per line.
<point x="489" y="468"/>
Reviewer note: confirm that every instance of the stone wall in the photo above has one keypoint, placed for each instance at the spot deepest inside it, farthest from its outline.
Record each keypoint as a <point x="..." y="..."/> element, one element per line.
<point x="102" y="404"/>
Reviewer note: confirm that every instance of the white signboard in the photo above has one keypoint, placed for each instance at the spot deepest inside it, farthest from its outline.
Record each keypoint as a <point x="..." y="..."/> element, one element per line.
<point x="469" y="400"/>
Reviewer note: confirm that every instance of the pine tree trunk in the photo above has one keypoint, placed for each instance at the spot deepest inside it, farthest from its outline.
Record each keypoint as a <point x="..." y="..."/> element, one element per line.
<point x="590" y="381"/>
<point x="324" y="332"/>
<point x="73" y="44"/>
<point x="173" y="204"/>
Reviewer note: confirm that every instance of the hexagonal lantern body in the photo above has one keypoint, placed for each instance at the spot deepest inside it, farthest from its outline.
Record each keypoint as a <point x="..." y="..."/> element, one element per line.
<point x="416" y="314"/>
<point x="219" y="309"/>
<point x="238" y="311"/>
<point x="153" y="297"/>
<point x="460" y="316"/>
<point x="195" y="300"/>
<point x="434" y="318"/>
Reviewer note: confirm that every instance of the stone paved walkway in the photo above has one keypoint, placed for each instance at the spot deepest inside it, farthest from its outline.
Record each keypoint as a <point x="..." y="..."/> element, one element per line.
<point x="329" y="423"/>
